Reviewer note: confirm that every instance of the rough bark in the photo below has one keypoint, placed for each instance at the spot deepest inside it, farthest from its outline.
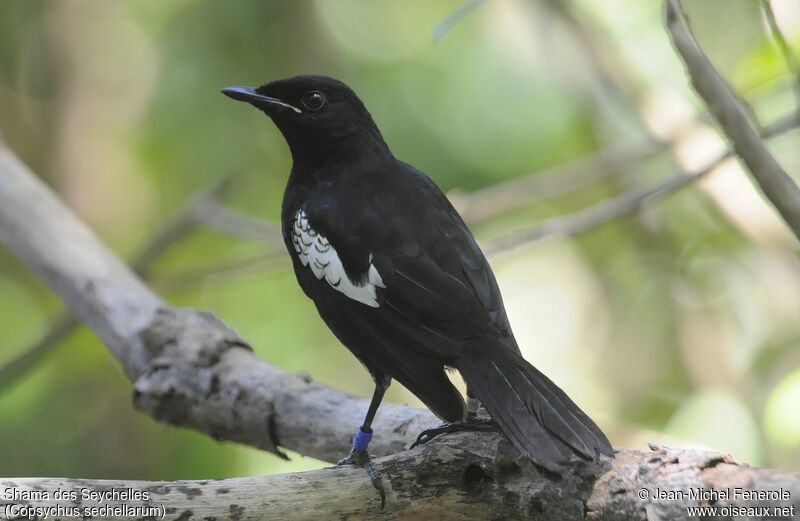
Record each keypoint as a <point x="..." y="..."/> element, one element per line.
<point x="201" y="377"/>
<point x="462" y="476"/>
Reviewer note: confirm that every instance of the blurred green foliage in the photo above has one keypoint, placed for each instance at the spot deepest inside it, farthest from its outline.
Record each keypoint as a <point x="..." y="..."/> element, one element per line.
<point x="678" y="325"/>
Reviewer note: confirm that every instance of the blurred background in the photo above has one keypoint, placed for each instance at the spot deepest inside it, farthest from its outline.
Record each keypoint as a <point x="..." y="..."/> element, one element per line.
<point x="677" y="324"/>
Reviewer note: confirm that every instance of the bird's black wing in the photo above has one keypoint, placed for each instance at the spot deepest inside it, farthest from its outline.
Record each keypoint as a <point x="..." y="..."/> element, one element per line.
<point x="439" y="273"/>
<point x="449" y="287"/>
<point x="536" y="415"/>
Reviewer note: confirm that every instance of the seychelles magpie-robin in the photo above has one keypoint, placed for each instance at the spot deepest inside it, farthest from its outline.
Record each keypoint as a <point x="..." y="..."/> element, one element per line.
<point x="397" y="276"/>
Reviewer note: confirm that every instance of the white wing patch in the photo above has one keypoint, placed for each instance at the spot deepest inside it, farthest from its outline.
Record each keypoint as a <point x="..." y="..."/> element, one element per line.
<point x="315" y="251"/>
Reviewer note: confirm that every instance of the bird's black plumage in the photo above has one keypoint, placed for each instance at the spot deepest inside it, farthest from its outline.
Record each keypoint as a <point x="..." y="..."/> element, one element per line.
<point x="398" y="277"/>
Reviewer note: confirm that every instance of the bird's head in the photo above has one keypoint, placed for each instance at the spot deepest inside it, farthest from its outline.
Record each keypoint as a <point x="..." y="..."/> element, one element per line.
<point x="318" y="116"/>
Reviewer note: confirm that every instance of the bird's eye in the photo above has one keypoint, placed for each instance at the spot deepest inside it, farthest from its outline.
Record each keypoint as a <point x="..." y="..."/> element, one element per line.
<point x="313" y="100"/>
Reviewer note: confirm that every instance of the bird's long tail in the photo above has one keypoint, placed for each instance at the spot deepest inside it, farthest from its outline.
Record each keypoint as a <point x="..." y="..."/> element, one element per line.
<point x="533" y="413"/>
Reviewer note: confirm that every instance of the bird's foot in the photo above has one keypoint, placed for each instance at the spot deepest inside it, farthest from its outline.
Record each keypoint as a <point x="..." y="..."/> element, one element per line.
<point x="471" y="423"/>
<point x="360" y="457"/>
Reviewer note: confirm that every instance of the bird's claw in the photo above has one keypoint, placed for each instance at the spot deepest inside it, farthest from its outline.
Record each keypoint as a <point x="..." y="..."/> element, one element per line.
<point x="429" y="434"/>
<point x="472" y="423"/>
<point x="361" y="458"/>
<point x="356" y="457"/>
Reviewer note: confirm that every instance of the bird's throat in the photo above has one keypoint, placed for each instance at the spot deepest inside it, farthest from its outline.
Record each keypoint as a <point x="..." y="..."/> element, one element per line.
<point x="314" y="151"/>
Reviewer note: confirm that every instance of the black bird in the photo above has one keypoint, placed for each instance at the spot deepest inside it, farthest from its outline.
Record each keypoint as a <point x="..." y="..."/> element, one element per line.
<point x="399" y="279"/>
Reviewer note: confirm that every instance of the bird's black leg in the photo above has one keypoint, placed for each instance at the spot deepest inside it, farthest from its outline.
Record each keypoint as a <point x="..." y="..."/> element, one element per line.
<point x="358" y="454"/>
<point x="470" y="423"/>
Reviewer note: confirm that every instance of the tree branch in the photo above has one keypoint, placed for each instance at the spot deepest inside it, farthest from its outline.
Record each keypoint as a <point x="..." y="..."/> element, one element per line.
<point x="488" y="202"/>
<point x="60" y="327"/>
<point x="179" y="225"/>
<point x="453" y="18"/>
<point x="732" y="117"/>
<point x="607" y="63"/>
<point x="594" y="216"/>
<point x="461" y="476"/>
<point x="218" y="217"/>
<point x="182" y="223"/>
<point x="92" y="280"/>
<point x="221" y="271"/>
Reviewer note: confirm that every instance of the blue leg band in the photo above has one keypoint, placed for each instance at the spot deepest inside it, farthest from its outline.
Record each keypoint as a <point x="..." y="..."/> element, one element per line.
<point x="362" y="440"/>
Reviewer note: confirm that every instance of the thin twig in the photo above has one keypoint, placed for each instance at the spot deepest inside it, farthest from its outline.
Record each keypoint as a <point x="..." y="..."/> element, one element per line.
<point x="12" y="370"/>
<point x="553" y="182"/>
<point x="783" y="45"/>
<point x="218" y="217"/>
<point x="456" y="16"/>
<point x="623" y="204"/>
<point x="181" y="223"/>
<point x="612" y="71"/>
<point x="222" y="271"/>
<point x="731" y="116"/>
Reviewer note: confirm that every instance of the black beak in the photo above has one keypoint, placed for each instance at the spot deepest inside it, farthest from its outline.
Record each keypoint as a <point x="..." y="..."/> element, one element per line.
<point x="250" y="95"/>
